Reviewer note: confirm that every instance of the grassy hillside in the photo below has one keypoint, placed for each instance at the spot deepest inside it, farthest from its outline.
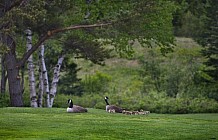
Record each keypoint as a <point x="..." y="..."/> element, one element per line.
<point x="55" y="123"/>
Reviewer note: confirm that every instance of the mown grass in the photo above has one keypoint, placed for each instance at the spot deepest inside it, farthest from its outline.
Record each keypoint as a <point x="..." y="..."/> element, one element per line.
<point x="55" y="123"/>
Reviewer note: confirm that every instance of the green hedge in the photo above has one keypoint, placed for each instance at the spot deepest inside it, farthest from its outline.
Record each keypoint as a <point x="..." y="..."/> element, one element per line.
<point x="153" y="102"/>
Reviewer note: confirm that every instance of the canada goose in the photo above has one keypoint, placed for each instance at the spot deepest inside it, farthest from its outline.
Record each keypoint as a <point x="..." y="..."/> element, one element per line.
<point x="110" y="107"/>
<point x="75" y="108"/>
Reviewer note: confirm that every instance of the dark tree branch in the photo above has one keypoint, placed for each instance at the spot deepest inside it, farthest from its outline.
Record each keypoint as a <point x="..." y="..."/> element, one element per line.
<point x="15" y="4"/>
<point x="52" y="33"/>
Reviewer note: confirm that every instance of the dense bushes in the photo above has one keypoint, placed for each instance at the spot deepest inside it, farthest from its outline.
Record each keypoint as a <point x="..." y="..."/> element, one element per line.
<point x="96" y="83"/>
<point x="4" y="100"/>
<point x="156" y="103"/>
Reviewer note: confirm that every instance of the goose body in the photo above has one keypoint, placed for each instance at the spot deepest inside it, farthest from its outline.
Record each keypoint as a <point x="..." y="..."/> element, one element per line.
<point x="75" y="108"/>
<point x="112" y="107"/>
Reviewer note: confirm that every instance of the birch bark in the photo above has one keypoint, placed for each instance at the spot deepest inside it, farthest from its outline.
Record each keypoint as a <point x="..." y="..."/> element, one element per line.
<point x="55" y="80"/>
<point x="40" y="94"/>
<point x="44" y="85"/>
<point x="30" y="66"/>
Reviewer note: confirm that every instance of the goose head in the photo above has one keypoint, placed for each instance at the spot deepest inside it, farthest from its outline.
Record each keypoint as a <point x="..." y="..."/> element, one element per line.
<point x="106" y="100"/>
<point x="70" y="102"/>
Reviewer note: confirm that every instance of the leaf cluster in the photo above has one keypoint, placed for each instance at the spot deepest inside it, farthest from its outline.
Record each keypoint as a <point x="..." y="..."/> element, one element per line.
<point x="88" y="49"/>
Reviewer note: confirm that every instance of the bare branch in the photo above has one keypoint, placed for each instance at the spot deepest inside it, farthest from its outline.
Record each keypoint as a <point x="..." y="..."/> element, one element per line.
<point x="52" y="33"/>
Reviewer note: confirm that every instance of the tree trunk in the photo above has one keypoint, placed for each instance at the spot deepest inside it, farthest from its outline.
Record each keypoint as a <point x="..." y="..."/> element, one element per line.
<point x="44" y="75"/>
<point x="40" y="94"/>
<point x="41" y="87"/>
<point x="55" y="80"/>
<point x="30" y="66"/>
<point x="15" y="90"/>
<point x="11" y="65"/>
<point x="3" y="75"/>
<point x="16" y="95"/>
<point x="22" y="79"/>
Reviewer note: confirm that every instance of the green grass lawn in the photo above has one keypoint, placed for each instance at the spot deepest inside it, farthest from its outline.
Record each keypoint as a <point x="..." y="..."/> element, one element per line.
<point x="55" y="123"/>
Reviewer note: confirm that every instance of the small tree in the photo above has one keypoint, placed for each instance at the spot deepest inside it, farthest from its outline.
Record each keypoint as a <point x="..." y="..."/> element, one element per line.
<point x="209" y="40"/>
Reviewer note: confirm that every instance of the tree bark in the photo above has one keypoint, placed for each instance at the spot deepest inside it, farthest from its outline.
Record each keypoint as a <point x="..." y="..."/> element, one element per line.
<point x="55" y="80"/>
<point x="43" y="76"/>
<point x="16" y="95"/>
<point x="11" y="65"/>
<point x="40" y="94"/>
<point x="3" y="75"/>
<point x="30" y="66"/>
<point x="15" y="90"/>
<point x="22" y="79"/>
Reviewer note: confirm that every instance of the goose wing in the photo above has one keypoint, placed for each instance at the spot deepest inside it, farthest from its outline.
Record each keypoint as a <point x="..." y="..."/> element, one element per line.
<point x="117" y="109"/>
<point x="79" y="109"/>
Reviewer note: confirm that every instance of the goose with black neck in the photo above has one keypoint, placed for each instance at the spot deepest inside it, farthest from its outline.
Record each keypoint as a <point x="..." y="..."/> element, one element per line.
<point x="112" y="107"/>
<point x="75" y="108"/>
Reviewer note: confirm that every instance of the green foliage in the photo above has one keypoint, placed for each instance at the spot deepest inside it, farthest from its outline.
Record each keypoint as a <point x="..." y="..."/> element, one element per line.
<point x="69" y="82"/>
<point x="209" y="39"/>
<point x="96" y="83"/>
<point x="178" y="73"/>
<point x="4" y="100"/>
<point x="162" y="84"/>
<point x="134" y="20"/>
<point x="29" y="14"/>
<point x="185" y="105"/>
<point x="189" y="18"/>
<point x="90" y="49"/>
<point x="191" y="25"/>
<point x="152" y="72"/>
<point x="130" y="19"/>
<point x="152" y="101"/>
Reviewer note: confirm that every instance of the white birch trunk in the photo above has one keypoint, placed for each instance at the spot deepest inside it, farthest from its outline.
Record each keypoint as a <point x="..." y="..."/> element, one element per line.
<point x="44" y="79"/>
<point x="30" y="66"/>
<point x="40" y="94"/>
<point x="55" y="80"/>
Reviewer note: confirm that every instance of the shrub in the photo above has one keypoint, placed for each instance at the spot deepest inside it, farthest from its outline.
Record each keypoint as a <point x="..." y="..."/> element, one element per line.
<point x="96" y="83"/>
<point x="4" y="100"/>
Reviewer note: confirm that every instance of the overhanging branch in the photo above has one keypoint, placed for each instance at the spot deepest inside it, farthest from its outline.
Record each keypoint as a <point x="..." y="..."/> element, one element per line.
<point x="52" y="33"/>
<point x="15" y="4"/>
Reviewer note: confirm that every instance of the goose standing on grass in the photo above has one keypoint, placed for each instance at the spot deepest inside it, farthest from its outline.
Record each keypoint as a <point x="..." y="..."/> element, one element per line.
<point x="75" y="108"/>
<point x="112" y="107"/>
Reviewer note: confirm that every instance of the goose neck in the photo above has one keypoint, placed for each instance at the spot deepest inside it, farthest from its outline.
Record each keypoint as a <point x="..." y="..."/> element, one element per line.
<point x="71" y="105"/>
<point x="106" y="102"/>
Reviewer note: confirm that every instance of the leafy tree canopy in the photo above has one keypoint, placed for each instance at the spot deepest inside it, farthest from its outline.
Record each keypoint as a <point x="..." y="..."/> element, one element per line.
<point x="126" y="19"/>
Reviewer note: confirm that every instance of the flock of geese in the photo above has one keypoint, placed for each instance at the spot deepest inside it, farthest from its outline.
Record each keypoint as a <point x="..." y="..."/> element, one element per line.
<point x="109" y="108"/>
